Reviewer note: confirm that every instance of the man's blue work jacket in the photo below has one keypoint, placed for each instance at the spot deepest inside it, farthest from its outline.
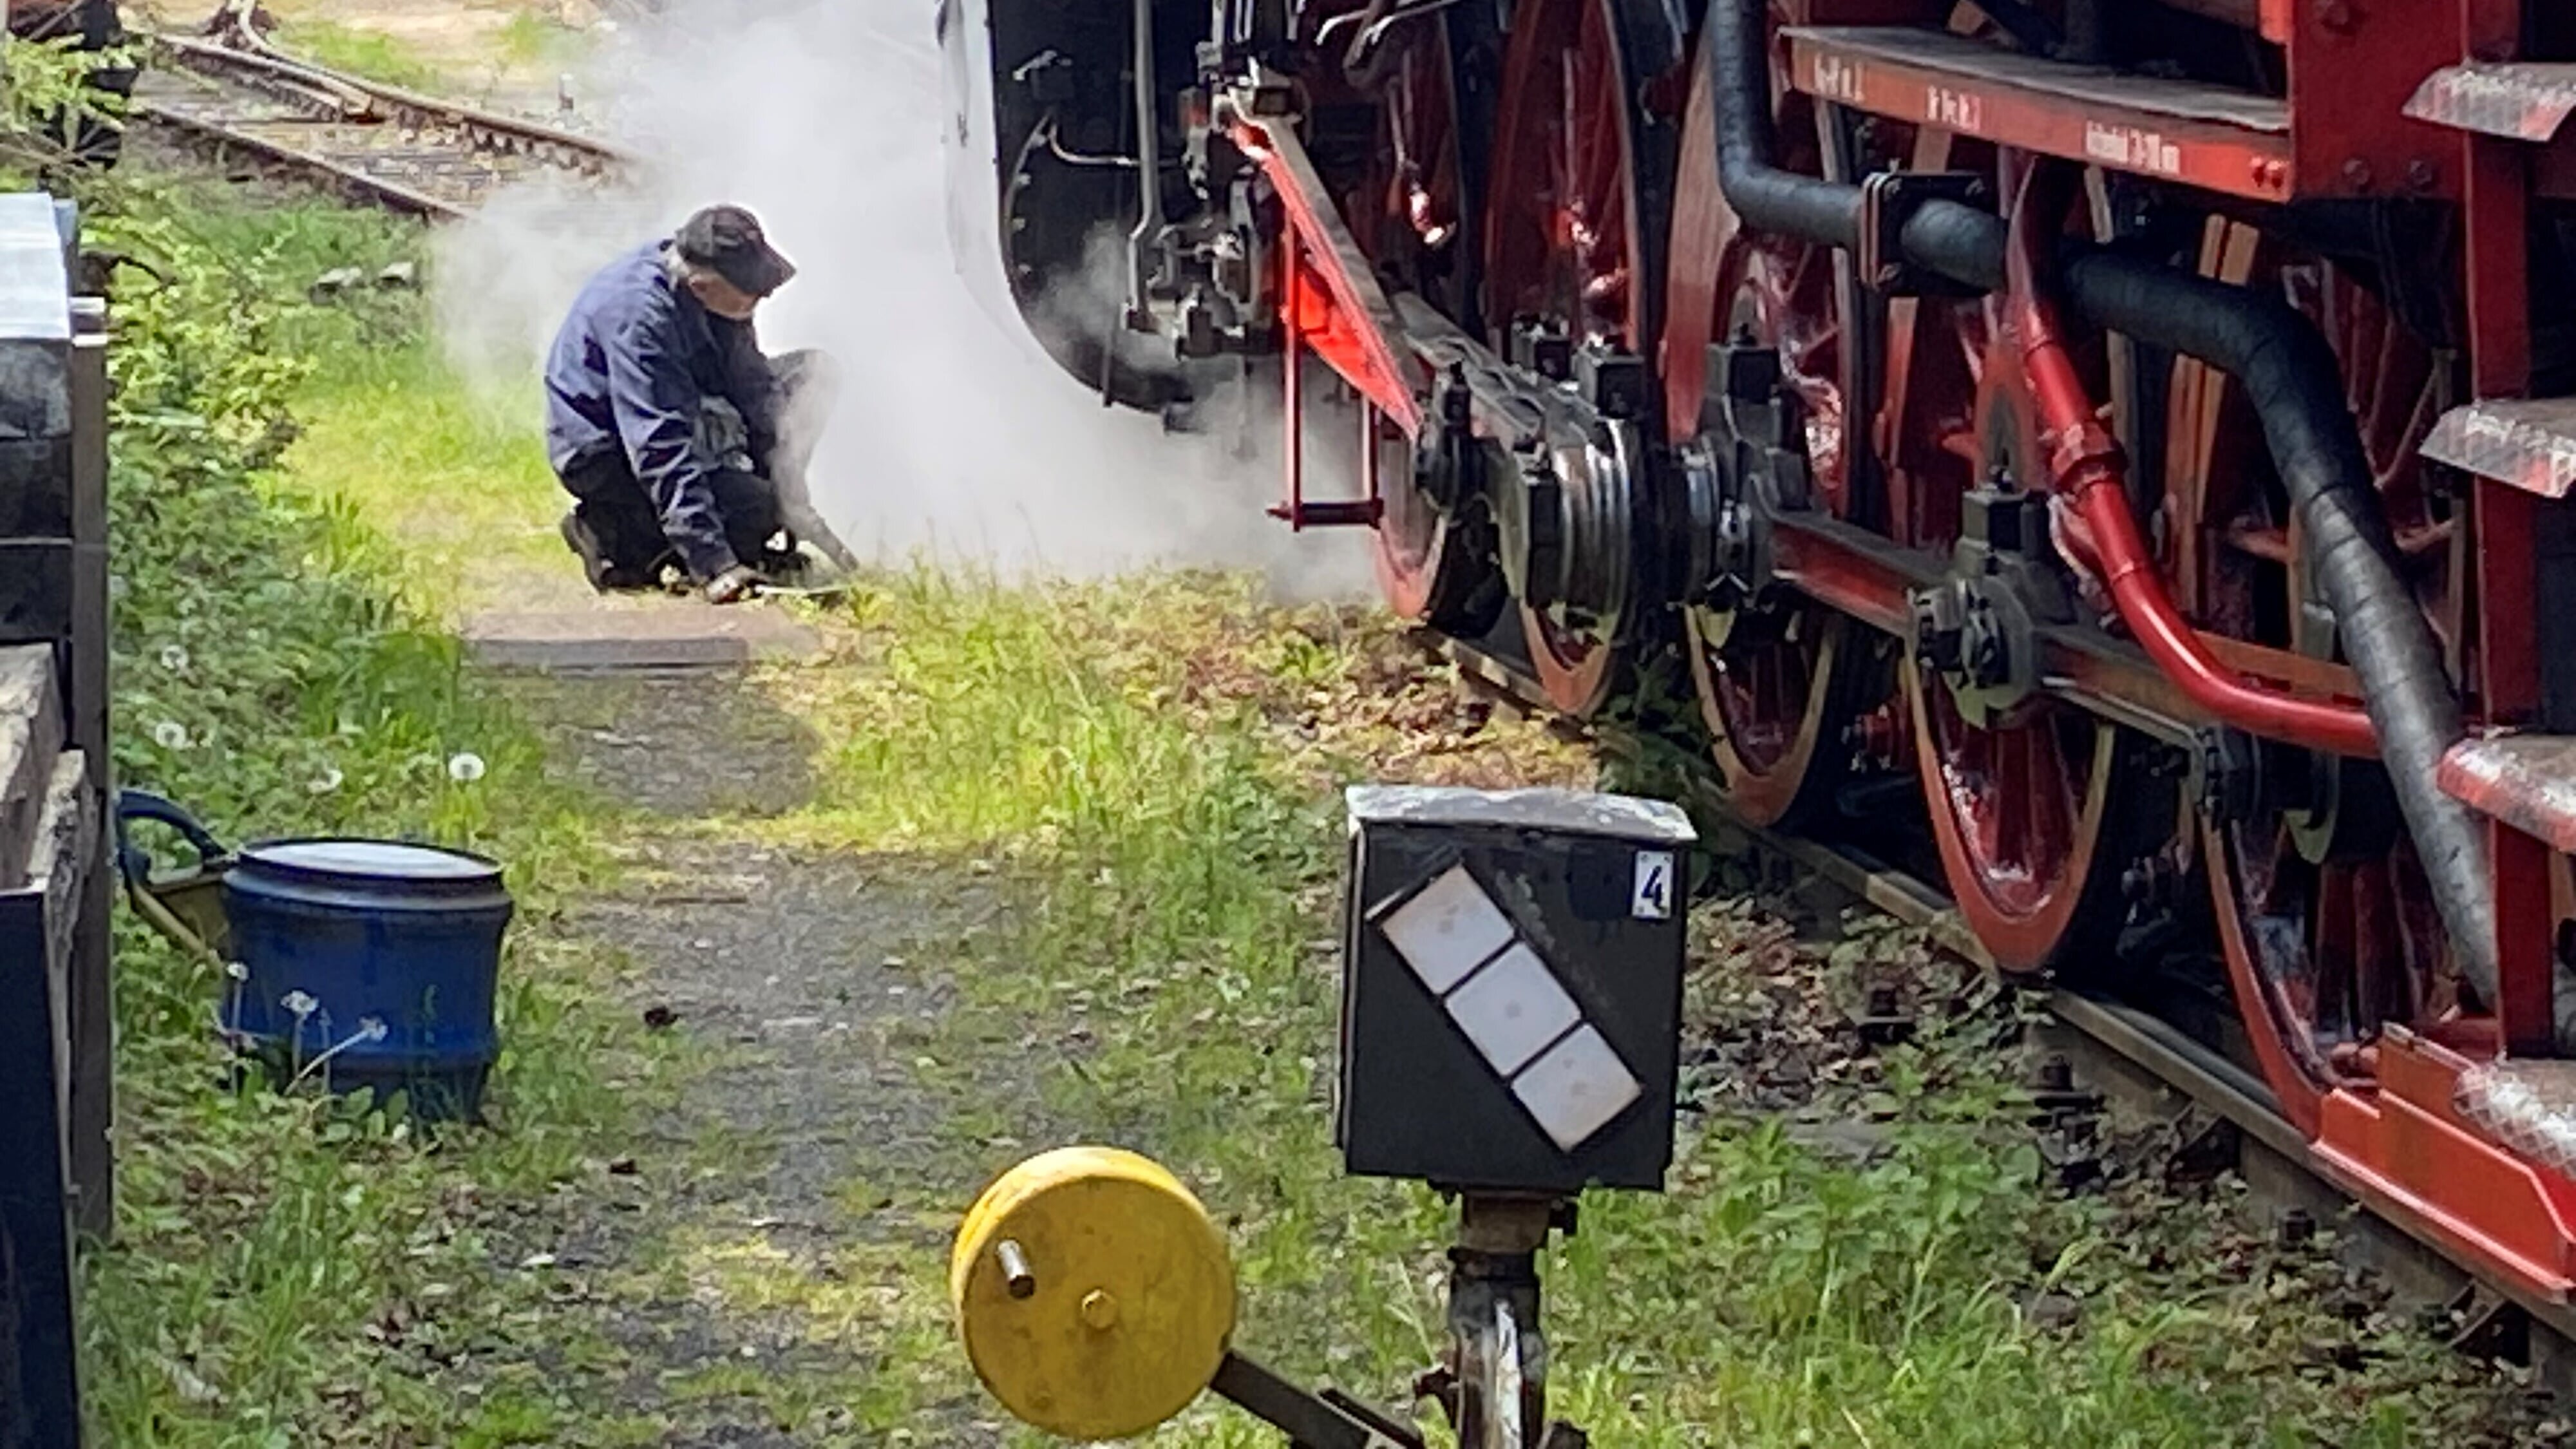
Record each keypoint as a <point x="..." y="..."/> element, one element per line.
<point x="632" y="371"/>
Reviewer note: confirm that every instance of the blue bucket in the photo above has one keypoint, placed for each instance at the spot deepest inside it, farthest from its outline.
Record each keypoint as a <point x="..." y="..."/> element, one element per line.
<point x="371" y="963"/>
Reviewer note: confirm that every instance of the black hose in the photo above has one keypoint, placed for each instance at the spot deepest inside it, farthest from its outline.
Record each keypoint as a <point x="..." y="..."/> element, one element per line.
<point x="2294" y="385"/>
<point x="1767" y="197"/>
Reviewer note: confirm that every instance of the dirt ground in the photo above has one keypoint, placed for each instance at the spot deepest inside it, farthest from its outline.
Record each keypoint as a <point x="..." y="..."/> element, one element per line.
<point x="816" y="982"/>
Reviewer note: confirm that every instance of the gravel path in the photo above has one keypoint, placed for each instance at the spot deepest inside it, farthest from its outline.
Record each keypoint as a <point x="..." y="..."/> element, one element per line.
<point x="791" y="1221"/>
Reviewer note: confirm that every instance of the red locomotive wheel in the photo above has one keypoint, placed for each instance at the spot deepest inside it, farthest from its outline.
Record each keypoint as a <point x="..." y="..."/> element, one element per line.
<point x="1774" y="681"/>
<point x="2320" y="954"/>
<point x="1566" y="240"/>
<point x="2328" y="925"/>
<point x="1434" y="565"/>
<point x="2026" y="807"/>
<point x="2019" y="811"/>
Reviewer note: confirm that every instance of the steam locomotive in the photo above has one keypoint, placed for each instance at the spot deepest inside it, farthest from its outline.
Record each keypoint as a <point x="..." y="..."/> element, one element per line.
<point x="2138" y="432"/>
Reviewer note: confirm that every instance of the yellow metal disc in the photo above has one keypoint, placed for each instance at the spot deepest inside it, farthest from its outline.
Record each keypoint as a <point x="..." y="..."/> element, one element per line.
<point x="1094" y="1295"/>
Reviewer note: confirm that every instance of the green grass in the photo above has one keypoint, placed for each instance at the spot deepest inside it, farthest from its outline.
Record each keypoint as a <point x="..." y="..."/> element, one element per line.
<point x="274" y="673"/>
<point x="1139" y="760"/>
<point x="1145" y="773"/>
<point x="369" y="53"/>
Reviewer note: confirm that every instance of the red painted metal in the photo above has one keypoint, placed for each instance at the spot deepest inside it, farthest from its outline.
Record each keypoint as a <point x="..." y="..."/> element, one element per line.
<point x="1563" y="242"/>
<point x="2017" y="812"/>
<point x="2086" y="465"/>
<point x="2299" y="1079"/>
<point x="1766" y="678"/>
<point x="2409" y="1153"/>
<point x="1329" y="299"/>
<point x="1425" y="560"/>
<point x="1849" y="580"/>
<point x="2495" y="202"/>
<point x="2226" y="141"/>
<point x="2354" y="64"/>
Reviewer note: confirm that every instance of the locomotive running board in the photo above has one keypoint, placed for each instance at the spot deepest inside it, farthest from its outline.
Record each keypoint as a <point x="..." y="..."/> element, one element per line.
<point x="2201" y="135"/>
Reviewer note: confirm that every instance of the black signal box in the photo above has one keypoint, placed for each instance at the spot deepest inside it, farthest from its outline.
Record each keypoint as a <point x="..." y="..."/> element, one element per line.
<point x="1511" y="988"/>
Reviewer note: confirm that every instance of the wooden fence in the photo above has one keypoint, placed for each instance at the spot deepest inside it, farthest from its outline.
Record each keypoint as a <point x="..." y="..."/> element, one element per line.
<point x="56" y="1045"/>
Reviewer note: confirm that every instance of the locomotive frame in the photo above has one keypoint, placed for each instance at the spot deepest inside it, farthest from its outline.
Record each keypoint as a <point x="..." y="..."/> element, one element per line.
<point x="2137" y="423"/>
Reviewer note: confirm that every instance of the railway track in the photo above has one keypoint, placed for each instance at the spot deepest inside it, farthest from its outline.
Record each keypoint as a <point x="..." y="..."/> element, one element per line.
<point x="234" y="96"/>
<point x="2139" y="1060"/>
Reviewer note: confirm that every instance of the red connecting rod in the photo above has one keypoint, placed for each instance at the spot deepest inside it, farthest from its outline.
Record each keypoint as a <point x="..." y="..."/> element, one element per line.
<point x="2088" y="470"/>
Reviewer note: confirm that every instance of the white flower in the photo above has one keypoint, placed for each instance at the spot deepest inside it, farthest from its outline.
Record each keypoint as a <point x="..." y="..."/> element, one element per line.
<point x="237" y="970"/>
<point x="372" y="1028"/>
<point x="299" y="1003"/>
<point x="326" y="782"/>
<point x="174" y="658"/>
<point x="169" y="734"/>
<point x="465" y="768"/>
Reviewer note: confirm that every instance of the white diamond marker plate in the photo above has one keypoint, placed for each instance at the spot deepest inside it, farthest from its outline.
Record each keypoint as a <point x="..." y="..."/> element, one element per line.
<point x="1447" y="930"/>
<point x="1512" y="1008"/>
<point x="1576" y="1088"/>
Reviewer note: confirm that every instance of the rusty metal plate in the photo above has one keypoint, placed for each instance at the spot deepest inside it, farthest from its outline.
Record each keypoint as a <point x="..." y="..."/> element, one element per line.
<point x="2519" y="102"/>
<point x="2526" y="781"/>
<point x="2527" y="442"/>
<point x="2210" y="136"/>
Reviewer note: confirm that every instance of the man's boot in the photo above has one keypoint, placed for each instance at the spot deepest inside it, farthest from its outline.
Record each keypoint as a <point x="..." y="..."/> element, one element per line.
<point x="585" y="542"/>
<point x="600" y="556"/>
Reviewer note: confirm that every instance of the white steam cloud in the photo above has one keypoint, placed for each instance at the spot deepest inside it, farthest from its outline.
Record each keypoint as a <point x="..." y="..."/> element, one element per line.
<point x="954" y="435"/>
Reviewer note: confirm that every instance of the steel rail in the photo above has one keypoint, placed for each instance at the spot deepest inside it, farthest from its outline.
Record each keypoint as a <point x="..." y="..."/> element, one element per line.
<point x="493" y="147"/>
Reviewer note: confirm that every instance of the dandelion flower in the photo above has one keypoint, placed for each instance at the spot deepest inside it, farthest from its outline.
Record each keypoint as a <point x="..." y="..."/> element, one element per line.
<point x="237" y="970"/>
<point x="372" y="1028"/>
<point x="326" y="782"/>
<point x="465" y="768"/>
<point x="169" y="734"/>
<point x="174" y="658"/>
<point x="298" y="1003"/>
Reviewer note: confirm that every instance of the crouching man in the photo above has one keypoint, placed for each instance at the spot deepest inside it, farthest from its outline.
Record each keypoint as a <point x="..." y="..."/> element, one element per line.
<point x="682" y="446"/>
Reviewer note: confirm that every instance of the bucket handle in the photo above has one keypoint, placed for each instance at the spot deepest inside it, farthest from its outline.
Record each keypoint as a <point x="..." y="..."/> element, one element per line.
<point x="133" y="861"/>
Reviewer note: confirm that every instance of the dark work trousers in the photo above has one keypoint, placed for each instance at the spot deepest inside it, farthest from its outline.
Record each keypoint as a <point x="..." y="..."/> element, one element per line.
<point x="617" y="513"/>
<point x="619" y="516"/>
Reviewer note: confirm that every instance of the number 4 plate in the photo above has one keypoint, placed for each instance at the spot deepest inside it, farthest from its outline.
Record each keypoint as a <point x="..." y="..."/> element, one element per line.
<point x="1653" y="899"/>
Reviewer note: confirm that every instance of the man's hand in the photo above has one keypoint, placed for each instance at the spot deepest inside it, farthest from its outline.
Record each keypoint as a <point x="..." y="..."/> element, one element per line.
<point x="734" y="585"/>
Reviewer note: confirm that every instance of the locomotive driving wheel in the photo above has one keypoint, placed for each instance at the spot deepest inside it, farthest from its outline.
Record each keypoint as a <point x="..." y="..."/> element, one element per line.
<point x="2028" y="805"/>
<point x="2326" y="920"/>
<point x="1572" y="243"/>
<point x="1777" y="679"/>
<point x="1434" y="540"/>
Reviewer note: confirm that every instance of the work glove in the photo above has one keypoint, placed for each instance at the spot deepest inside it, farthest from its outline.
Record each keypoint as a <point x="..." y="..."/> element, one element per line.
<point x="734" y="585"/>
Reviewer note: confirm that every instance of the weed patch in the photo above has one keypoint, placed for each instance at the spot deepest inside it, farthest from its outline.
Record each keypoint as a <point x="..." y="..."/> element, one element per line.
<point x="287" y="1270"/>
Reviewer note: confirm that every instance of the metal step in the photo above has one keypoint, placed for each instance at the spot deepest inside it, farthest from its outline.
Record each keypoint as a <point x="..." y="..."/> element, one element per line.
<point x="2202" y="135"/>
<point x="2527" y="442"/>
<point x="2519" y="102"/>
<point x="2526" y="781"/>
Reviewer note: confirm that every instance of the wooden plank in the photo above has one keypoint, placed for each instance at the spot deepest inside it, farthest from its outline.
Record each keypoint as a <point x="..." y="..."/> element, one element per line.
<point x="31" y="735"/>
<point x="69" y="851"/>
